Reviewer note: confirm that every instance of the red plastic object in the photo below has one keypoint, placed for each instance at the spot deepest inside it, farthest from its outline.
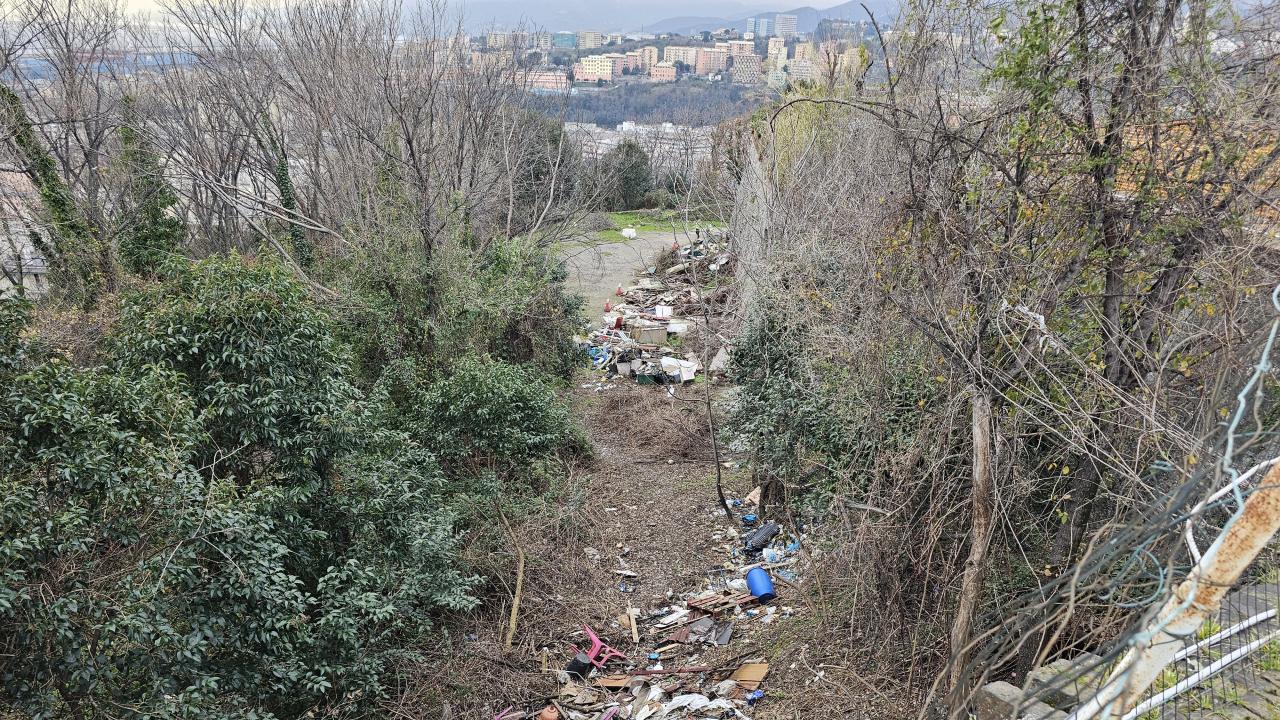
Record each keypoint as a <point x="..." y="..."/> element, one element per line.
<point x="599" y="654"/>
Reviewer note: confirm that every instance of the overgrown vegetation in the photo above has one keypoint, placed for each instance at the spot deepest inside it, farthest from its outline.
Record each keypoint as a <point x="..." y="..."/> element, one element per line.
<point x="1000" y="305"/>
<point x="246" y="492"/>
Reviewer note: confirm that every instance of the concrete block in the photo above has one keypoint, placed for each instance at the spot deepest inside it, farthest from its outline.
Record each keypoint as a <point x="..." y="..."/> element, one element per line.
<point x="1002" y="701"/>
<point x="997" y="701"/>
<point x="1061" y="684"/>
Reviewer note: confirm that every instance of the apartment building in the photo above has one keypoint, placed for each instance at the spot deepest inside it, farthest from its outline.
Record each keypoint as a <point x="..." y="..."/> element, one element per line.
<point x="746" y="70"/>
<point x="710" y="60"/>
<point x="674" y="54"/>
<point x="546" y="80"/>
<point x="594" y="68"/>
<point x="648" y="56"/>
<point x="802" y="71"/>
<point x="662" y="72"/>
<point x="784" y="25"/>
<point x="589" y="39"/>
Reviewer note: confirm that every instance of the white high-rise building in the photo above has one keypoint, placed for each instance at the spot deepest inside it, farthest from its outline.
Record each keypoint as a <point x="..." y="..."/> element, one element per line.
<point x="784" y="25"/>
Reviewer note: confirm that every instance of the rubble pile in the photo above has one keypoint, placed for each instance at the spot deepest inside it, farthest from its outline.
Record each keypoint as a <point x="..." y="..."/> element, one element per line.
<point x="657" y="663"/>
<point x="639" y="334"/>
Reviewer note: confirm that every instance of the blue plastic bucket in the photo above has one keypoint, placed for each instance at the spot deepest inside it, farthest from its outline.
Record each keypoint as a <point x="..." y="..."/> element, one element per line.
<point x="760" y="585"/>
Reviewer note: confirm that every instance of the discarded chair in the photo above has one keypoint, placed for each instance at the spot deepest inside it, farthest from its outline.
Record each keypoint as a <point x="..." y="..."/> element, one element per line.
<point x="599" y="654"/>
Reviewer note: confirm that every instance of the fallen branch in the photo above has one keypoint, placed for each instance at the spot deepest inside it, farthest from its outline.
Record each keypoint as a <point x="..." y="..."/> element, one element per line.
<point x="519" y="591"/>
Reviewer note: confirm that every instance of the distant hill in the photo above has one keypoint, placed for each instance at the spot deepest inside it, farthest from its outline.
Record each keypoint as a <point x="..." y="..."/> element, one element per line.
<point x="807" y="18"/>
<point x="603" y="15"/>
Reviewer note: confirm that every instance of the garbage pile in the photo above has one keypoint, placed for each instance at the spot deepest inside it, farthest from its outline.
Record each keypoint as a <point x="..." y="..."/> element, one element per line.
<point x="641" y="331"/>
<point x="666" y="673"/>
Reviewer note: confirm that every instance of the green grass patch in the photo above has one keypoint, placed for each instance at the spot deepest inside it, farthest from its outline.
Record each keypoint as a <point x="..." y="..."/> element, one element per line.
<point x="654" y="221"/>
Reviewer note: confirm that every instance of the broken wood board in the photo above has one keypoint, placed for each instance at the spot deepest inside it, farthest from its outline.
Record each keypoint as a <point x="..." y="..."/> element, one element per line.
<point x="722" y="602"/>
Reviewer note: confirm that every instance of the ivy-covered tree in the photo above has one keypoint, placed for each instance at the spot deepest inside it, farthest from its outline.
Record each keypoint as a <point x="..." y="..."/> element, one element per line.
<point x="151" y="233"/>
<point x="80" y="260"/>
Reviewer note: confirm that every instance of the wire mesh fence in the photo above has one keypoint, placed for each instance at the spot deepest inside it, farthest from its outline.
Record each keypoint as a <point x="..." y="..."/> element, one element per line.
<point x="1171" y="612"/>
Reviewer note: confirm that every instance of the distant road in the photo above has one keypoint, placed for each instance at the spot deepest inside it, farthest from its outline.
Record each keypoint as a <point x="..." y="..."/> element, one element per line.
<point x="596" y="271"/>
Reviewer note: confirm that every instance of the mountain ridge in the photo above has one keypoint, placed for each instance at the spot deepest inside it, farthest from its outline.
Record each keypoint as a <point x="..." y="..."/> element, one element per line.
<point x="807" y="17"/>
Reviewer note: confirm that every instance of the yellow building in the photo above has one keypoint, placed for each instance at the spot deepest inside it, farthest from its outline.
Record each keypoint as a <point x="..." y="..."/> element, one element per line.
<point x="594" y="67"/>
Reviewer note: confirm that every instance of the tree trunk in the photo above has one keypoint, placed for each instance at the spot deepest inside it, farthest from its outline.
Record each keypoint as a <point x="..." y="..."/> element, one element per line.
<point x="981" y="499"/>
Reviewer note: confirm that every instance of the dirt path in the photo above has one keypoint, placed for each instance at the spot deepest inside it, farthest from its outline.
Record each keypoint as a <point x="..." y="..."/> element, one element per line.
<point x="652" y="492"/>
<point x="596" y="271"/>
<point x="638" y="525"/>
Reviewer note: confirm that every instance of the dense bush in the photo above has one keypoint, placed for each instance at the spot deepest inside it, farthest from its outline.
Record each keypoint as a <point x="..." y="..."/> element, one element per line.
<point x="484" y="418"/>
<point x="260" y="362"/>
<point x="216" y="524"/>
<point x="503" y="297"/>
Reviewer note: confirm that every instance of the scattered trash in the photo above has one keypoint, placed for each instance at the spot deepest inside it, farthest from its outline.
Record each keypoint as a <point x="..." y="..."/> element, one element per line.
<point x="759" y="540"/>
<point x="750" y="675"/>
<point x="670" y="672"/>
<point x="639" y="328"/>
<point x="599" y="654"/>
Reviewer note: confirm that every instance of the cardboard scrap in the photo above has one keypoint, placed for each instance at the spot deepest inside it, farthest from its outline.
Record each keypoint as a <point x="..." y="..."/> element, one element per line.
<point x="750" y="675"/>
<point x="613" y="682"/>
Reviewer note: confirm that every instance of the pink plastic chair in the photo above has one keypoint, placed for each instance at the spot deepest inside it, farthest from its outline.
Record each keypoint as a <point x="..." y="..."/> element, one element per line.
<point x="599" y="654"/>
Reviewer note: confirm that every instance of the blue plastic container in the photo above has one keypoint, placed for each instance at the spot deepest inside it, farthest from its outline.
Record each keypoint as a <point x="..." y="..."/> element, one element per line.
<point x="760" y="585"/>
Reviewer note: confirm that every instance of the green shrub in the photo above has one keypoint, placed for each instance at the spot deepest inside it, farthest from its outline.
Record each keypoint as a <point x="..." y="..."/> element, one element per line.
<point x="217" y="524"/>
<point x="505" y="298"/>
<point x="259" y="359"/>
<point x="486" y="415"/>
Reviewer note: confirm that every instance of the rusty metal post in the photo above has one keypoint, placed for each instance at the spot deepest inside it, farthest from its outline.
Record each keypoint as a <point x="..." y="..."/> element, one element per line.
<point x="1195" y="599"/>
